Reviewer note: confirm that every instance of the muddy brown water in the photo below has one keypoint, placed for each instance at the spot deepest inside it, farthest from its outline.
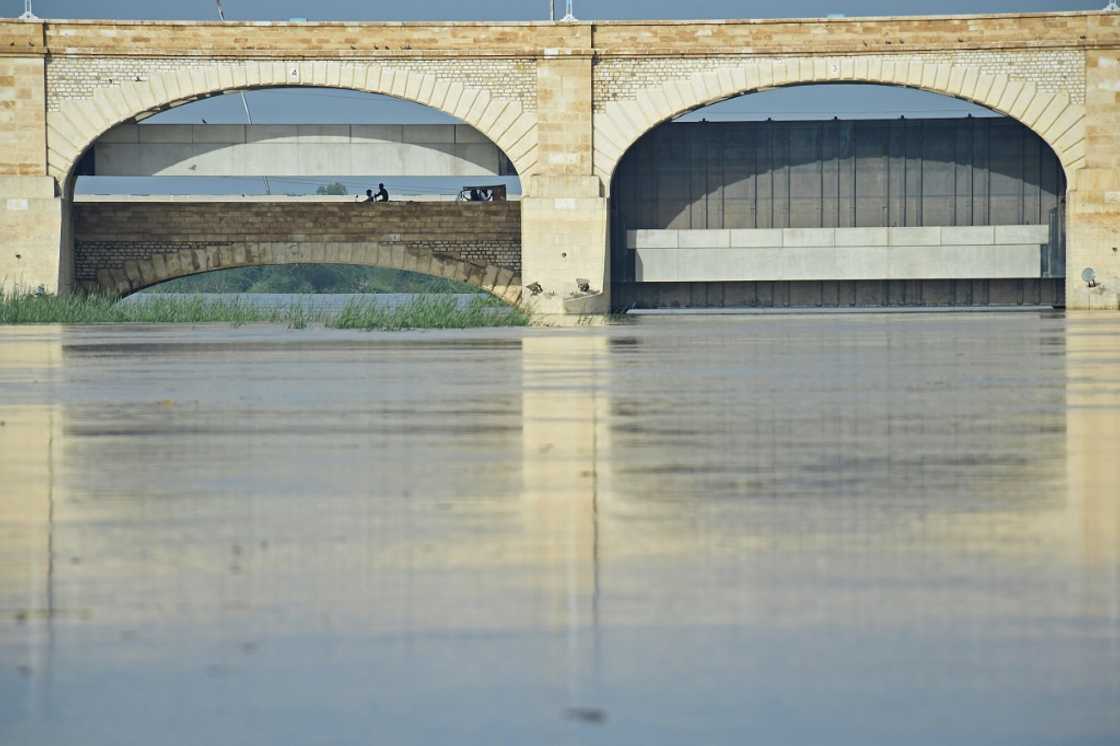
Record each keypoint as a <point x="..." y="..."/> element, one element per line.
<point x="721" y="530"/>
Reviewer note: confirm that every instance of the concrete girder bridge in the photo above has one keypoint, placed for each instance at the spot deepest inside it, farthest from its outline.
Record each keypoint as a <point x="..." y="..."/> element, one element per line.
<point x="566" y="104"/>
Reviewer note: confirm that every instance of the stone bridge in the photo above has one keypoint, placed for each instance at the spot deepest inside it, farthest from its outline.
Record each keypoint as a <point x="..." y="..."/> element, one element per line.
<point x="563" y="101"/>
<point x="124" y="246"/>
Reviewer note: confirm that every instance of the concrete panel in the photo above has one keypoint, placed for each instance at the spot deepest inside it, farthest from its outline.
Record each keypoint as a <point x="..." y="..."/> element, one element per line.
<point x="376" y="133"/>
<point x="165" y="160"/>
<point x="808" y="237"/>
<point x="813" y="263"/>
<point x="703" y="239"/>
<point x="915" y="236"/>
<point x="1016" y="261"/>
<point x="762" y="264"/>
<point x="713" y="265"/>
<point x="306" y="151"/>
<point x="655" y="266"/>
<point x="272" y="133"/>
<point x="861" y="263"/>
<point x="655" y="239"/>
<point x="124" y="133"/>
<point x="905" y="263"/>
<point x="166" y="133"/>
<point x="862" y="237"/>
<point x="218" y="133"/>
<point x="279" y="159"/>
<point x="967" y="236"/>
<point x="326" y="159"/>
<point x="206" y="160"/>
<point x="324" y="133"/>
<point x="480" y="158"/>
<point x="761" y="238"/>
<point x="804" y="263"/>
<point x="464" y="133"/>
<point x="428" y="133"/>
<point x="1022" y="234"/>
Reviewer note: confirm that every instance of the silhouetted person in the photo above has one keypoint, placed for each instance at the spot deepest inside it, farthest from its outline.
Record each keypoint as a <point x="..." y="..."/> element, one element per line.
<point x="475" y="196"/>
<point x="382" y="194"/>
<point x="369" y="197"/>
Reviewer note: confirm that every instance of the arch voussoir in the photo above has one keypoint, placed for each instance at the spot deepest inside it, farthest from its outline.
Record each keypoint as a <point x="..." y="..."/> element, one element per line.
<point x="1051" y="114"/>
<point x="77" y="124"/>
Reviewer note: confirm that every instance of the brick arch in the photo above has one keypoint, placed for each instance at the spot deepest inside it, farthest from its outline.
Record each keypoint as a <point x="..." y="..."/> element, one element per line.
<point x="137" y="275"/>
<point x="1053" y="116"/>
<point x="74" y="127"/>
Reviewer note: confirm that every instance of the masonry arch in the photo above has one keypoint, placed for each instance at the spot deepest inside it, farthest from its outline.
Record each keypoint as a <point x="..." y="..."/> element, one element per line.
<point x="76" y="125"/>
<point x="144" y="273"/>
<point x="126" y="245"/>
<point x="1054" y="116"/>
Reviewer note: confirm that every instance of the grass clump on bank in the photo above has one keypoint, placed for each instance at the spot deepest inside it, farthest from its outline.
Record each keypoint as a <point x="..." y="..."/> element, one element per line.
<point x="24" y="308"/>
<point x="421" y="313"/>
<point x="428" y="313"/>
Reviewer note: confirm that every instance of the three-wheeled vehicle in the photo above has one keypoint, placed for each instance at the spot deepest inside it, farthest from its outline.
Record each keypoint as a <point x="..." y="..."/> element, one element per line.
<point x="488" y="193"/>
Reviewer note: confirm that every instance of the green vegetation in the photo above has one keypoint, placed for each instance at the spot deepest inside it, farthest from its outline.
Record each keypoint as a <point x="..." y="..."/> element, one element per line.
<point x="422" y="313"/>
<point x="336" y="188"/>
<point x="428" y="313"/>
<point x="311" y="278"/>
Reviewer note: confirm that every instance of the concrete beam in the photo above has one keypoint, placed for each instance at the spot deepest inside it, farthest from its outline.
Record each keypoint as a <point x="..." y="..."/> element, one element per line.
<point x="297" y="150"/>
<point x="793" y="254"/>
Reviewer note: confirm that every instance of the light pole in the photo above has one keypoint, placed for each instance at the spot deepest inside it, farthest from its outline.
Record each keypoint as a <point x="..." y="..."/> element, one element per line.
<point x="569" y="16"/>
<point x="28" y="15"/>
<point x="244" y="101"/>
<point x="1112" y="7"/>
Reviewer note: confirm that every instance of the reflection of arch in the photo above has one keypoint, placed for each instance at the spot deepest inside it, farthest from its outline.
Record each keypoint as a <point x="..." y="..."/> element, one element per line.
<point x="78" y="123"/>
<point x="137" y="275"/>
<point x="1058" y="121"/>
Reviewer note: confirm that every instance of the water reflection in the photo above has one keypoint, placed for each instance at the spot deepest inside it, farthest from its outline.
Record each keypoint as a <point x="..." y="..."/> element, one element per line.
<point x="859" y="528"/>
<point x="566" y="467"/>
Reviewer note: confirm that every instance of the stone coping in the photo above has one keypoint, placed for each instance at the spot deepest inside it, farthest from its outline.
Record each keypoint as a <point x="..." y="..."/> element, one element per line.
<point x="917" y="17"/>
<point x="533" y="39"/>
<point x="257" y="198"/>
<point x="776" y="238"/>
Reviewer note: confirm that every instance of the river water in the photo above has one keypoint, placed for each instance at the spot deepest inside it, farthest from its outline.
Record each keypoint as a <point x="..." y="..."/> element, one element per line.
<point x="710" y="530"/>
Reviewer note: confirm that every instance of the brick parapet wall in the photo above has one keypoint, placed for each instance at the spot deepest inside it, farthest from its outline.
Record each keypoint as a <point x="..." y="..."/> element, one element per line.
<point x="109" y="235"/>
<point x="622" y="78"/>
<point x="77" y="78"/>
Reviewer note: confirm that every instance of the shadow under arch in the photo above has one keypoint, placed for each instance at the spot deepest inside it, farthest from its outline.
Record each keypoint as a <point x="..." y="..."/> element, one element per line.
<point x="831" y="173"/>
<point x="1052" y="115"/>
<point x="145" y="273"/>
<point x="77" y="124"/>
